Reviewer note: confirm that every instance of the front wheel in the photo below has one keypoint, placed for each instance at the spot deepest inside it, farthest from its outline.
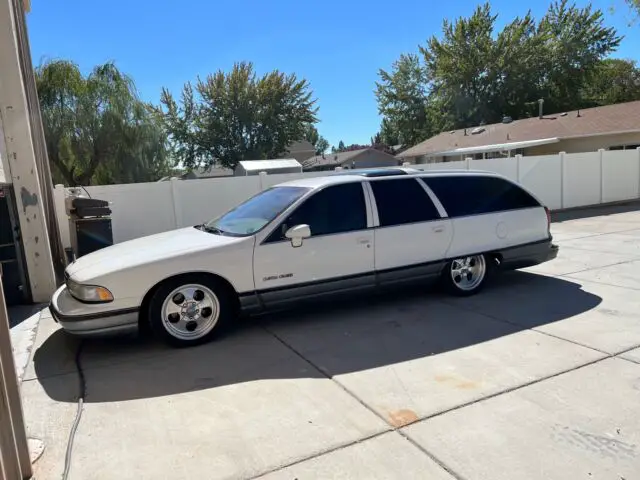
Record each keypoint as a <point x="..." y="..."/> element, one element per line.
<point x="465" y="276"/>
<point x="190" y="310"/>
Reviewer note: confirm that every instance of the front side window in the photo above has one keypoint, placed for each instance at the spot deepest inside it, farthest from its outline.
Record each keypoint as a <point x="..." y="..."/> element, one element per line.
<point x="402" y="201"/>
<point x="335" y="209"/>
<point x="256" y="213"/>
<point x="463" y="195"/>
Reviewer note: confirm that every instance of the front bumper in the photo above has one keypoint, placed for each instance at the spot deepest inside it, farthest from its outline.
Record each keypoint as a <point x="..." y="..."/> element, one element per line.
<point x="85" y="319"/>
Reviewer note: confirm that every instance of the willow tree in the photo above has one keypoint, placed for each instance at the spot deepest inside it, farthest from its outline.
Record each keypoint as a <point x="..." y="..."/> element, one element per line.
<point x="98" y="130"/>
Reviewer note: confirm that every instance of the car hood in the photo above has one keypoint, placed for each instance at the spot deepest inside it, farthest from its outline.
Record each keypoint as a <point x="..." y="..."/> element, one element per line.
<point x="146" y="250"/>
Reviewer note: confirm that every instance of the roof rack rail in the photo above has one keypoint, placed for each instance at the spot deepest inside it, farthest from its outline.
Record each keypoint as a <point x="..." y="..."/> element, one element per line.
<point x="378" y="172"/>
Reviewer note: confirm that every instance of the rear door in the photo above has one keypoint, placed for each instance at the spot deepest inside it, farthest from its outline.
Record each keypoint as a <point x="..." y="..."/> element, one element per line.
<point x="337" y="257"/>
<point x="488" y="212"/>
<point x="411" y="237"/>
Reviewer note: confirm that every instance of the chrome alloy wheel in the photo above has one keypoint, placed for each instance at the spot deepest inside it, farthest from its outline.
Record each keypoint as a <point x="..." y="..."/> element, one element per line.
<point x="467" y="273"/>
<point x="190" y="312"/>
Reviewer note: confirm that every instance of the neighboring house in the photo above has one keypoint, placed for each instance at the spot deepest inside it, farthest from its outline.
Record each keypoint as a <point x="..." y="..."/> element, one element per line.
<point x="398" y="149"/>
<point x="244" y="168"/>
<point x="213" y="171"/>
<point x="365" y="158"/>
<point x="281" y="165"/>
<point x="612" y="127"/>
<point x="300" y="151"/>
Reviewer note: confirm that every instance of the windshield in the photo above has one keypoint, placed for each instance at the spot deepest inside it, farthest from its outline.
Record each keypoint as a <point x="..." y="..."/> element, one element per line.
<point x="257" y="212"/>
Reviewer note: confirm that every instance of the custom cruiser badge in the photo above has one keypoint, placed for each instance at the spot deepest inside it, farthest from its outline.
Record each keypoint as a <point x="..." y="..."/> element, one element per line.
<point x="276" y="277"/>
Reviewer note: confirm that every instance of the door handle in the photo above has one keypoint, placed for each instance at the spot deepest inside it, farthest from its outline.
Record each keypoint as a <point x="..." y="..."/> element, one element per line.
<point x="439" y="229"/>
<point x="363" y="241"/>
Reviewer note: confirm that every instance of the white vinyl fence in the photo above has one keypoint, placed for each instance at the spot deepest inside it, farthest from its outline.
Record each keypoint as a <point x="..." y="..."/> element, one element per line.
<point x="560" y="181"/>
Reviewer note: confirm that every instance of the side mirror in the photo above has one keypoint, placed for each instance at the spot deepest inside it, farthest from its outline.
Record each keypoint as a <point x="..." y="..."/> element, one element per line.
<point x="297" y="234"/>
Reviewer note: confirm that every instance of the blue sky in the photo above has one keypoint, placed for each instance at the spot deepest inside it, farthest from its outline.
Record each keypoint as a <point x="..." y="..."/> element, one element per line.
<point x="337" y="45"/>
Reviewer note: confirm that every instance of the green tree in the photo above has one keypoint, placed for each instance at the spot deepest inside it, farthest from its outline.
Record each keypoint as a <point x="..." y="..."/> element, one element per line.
<point x="634" y="5"/>
<point x="228" y="117"/>
<point x="404" y="100"/>
<point x="576" y="42"/>
<point x="473" y="74"/>
<point x="311" y="134"/>
<point x="613" y="81"/>
<point x="389" y="133"/>
<point x="314" y="138"/>
<point x="322" y="145"/>
<point x="97" y="129"/>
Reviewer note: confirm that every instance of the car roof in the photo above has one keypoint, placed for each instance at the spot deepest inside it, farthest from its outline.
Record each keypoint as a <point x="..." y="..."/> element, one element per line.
<point x="357" y="175"/>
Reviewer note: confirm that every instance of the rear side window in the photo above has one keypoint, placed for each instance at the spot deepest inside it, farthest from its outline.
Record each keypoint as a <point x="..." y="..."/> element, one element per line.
<point x="335" y="209"/>
<point x="402" y="201"/>
<point x="467" y="195"/>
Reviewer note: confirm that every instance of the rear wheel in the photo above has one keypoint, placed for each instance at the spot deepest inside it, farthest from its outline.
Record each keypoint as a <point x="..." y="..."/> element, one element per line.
<point x="190" y="310"/>
<point x="466" y="275"/>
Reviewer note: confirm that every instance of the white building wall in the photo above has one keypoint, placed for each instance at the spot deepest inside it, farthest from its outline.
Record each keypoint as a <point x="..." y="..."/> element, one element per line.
<point x="19" y="160"/>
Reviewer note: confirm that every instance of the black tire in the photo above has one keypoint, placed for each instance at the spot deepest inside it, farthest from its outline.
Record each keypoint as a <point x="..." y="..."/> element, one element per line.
<point x="170" y="331"/>
<point x="462" y="285"/>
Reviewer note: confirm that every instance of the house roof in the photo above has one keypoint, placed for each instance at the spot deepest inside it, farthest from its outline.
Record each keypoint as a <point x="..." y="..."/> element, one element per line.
<point x="498" y="147"/>
<point x="610" y="119"/>
<point x="337" y="159"/>
<point x="301" y="146"/>
<point x="253" y="165"/>
<point x="209" y="172"/>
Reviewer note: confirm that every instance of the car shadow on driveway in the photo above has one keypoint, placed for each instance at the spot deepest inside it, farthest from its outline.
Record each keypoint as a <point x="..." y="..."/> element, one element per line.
<point x="320" y="341"/>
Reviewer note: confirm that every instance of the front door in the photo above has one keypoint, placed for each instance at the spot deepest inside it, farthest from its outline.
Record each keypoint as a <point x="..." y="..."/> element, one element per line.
<point x="338" y="257"/>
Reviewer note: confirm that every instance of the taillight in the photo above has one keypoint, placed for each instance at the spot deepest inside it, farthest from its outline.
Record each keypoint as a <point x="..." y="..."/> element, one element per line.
<point x="548" y="212"/>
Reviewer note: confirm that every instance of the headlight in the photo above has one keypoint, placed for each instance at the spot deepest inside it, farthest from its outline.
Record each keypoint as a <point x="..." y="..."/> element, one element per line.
<point x="89" y="293"/>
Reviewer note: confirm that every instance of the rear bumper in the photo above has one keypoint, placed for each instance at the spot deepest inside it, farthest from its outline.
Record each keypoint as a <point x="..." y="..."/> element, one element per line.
<point x="529" y="255"/>
<point x="90" y="320"/>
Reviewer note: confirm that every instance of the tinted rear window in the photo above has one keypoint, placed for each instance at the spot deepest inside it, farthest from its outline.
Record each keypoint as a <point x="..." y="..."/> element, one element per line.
<point x="474" y="195"/>
<point x="402" y="201"/>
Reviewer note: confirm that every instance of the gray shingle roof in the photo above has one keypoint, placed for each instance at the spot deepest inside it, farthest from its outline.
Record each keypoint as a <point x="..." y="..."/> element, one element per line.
<point x="622" y="117"/>
<point x="333" y="159"/>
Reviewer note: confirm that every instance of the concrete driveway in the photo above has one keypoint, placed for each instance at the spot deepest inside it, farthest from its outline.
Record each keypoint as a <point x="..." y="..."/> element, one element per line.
<point x="537" y="377"/>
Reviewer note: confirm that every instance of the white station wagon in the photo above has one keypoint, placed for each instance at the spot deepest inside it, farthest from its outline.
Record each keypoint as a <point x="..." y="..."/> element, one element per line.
<point x="348" y="232"/>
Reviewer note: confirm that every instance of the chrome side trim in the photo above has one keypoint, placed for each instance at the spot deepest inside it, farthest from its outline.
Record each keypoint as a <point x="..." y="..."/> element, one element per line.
<point x="312" y="290"/>
<point x="410" y="273"/>
<point x="250" y="302"/>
